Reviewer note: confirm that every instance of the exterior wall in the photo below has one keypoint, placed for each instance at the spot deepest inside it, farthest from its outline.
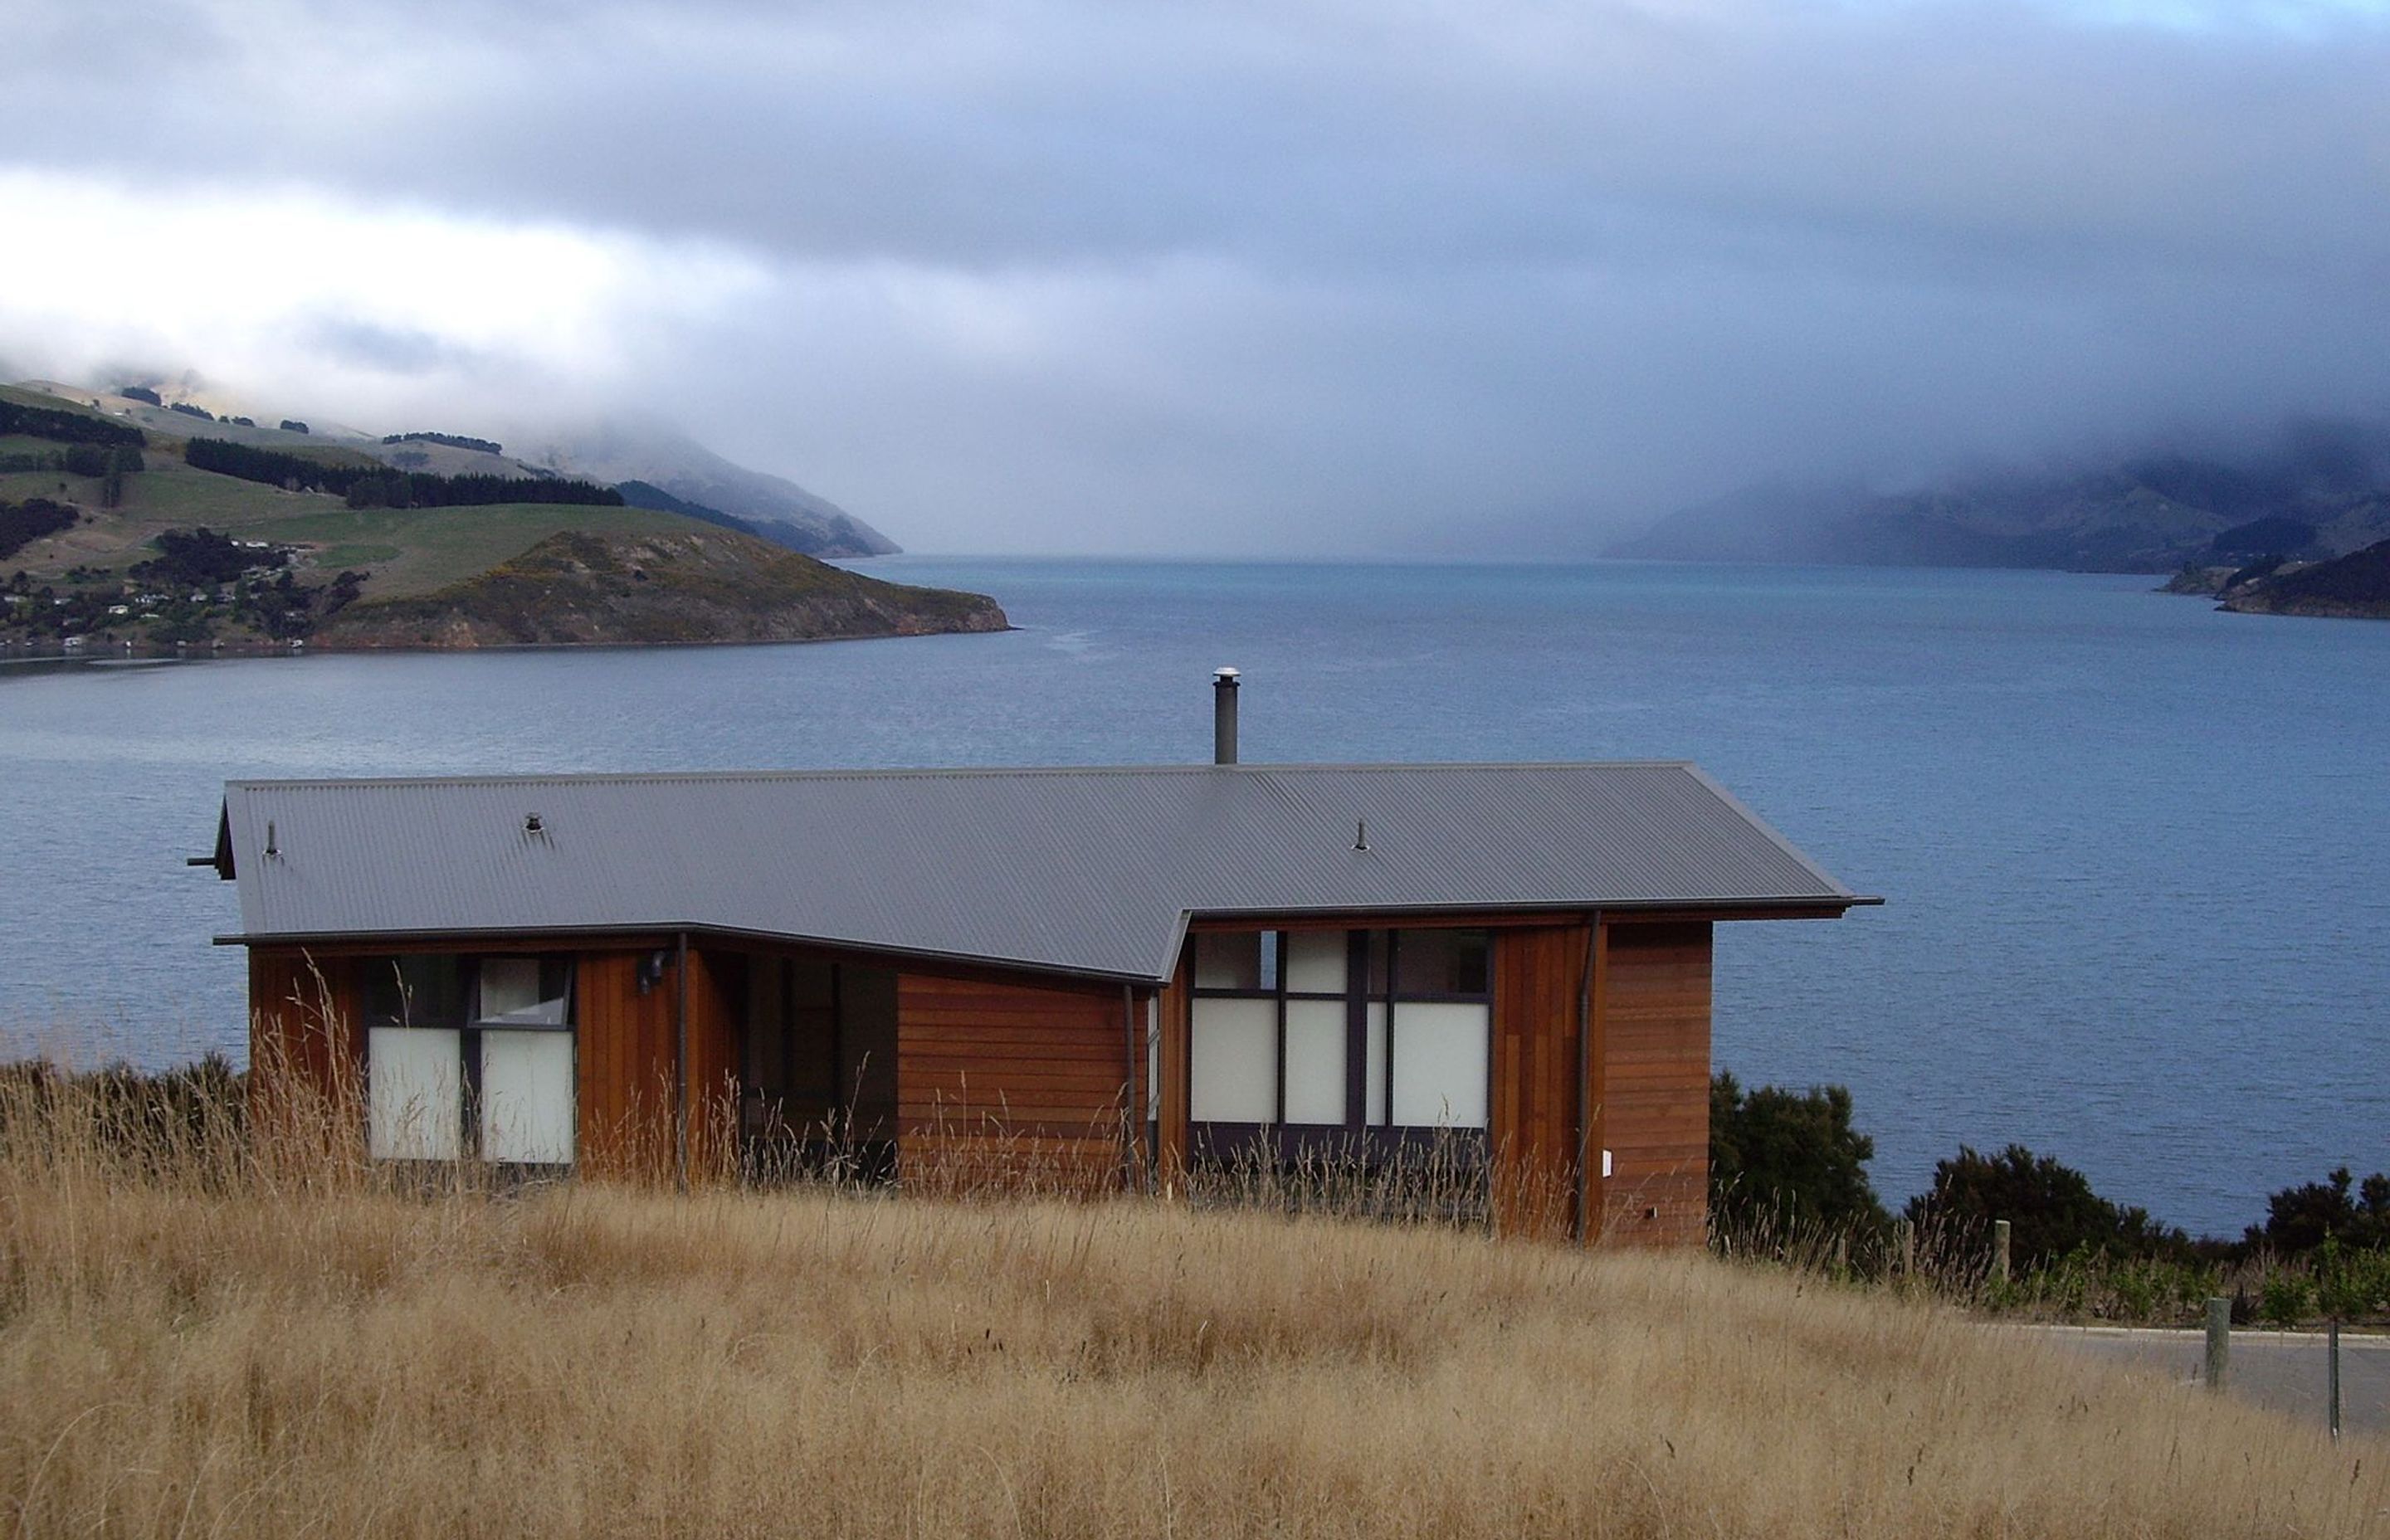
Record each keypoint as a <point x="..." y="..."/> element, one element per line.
<point x="1538" y="974"/>
<point x="1654" y="1113"/>
<point x="307" y="1049"/>
<point x="998" y="1081"/>
<point x="306" y="1040"/>
<point x="625" y="1066"/>
<point x="627" y="1052"/>
<point x="1177" y="1007"/>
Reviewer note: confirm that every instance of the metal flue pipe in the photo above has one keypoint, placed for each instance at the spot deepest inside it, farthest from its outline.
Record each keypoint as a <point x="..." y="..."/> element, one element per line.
<point x="1223" y="716"/>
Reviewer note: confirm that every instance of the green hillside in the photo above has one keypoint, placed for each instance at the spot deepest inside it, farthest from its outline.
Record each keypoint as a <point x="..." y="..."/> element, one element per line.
<point x="166" y="555"/>
<point x="419" y="550"/>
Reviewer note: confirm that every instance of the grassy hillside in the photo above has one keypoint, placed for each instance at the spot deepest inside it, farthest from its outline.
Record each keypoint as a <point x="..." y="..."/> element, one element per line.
<point x="416" y="551"/>
<point x="719" y="585"/>
<point x="195" y="1339"/>
<point x="699" y="582"/>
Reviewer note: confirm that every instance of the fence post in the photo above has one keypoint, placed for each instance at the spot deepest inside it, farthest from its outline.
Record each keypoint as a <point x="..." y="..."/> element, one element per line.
<point x="2219" y="1342"/>
<point x="2332" y="1374"/>
<point x="1999" y="1251"/>
<point x="1905" y="1235"/>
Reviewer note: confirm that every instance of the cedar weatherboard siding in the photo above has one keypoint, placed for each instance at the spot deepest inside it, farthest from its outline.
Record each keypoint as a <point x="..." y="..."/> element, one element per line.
<point x="306" y="1035"/>
<point x="995" y="1078"/>
<point x="625" y="1061"/>
<point x="1655" y="1118"/>
<point x="1538" y="975"/>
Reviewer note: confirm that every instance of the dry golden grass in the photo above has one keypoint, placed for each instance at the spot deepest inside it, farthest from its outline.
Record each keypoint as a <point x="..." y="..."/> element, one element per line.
<point x="194" y="1342"/>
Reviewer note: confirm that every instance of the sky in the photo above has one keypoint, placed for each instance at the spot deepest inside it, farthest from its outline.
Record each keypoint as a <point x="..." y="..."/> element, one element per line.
<point x="1309" y="277"/>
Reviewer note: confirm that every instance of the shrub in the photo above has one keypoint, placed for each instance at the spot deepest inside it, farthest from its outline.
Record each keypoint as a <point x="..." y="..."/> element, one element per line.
<point x="2051" y="1208"/>
<point x="2301" y="1219"/>
<point x="1786" y="1163"/>
<point x="2287" y="1298"/>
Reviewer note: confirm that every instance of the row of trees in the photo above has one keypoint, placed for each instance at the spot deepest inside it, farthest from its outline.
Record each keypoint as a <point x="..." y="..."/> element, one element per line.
<point x="1789" y="1162"/>
<point x="422" y="489"/>
<point x="45" y="422"/>
<point x="454" y="441"/>
<point x="381" y="486"/>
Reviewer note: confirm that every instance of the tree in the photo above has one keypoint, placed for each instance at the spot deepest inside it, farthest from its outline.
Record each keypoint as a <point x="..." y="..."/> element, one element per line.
<point x="86" y="459"/>
<point x="1784" y="1162"/>
<point x="2303" y="1218"/>
<point x="2051" y="1208"/>
<point x="122" y="461"/>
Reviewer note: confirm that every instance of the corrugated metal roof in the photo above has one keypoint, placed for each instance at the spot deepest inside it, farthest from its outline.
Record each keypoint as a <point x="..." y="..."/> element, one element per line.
<point x="1092" y="871"/>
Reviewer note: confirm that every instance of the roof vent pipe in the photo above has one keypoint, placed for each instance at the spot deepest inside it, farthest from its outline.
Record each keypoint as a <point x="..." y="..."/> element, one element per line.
<point x="1223" y="716"/>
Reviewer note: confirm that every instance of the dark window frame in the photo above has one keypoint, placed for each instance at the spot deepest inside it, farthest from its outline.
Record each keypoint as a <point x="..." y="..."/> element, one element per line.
<point x="469" y="1023"/>
<point x="1372" y="971"/>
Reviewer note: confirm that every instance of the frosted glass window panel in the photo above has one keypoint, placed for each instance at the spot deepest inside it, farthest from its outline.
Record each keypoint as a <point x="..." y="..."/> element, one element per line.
<point x="1233" y="1049"/>
<point x="1231" y="960"/>
<point x="1314" y="962"/>
<point x="508" y="984"/>
<point x="527" y="1101"/>
<point x="1374" y="1066"/>
<point x="1314" y="1062"/>
<point x="1439" y="1064"/>
<point x="415" y="1093"/>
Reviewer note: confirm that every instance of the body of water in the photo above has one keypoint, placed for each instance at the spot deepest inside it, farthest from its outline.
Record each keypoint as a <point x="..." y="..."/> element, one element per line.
<point x="2135" y="852"/>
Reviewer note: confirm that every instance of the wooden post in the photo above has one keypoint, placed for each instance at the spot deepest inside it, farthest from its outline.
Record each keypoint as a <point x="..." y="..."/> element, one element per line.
<point x="2219" y="1342"/>
<point x="1904" y="1235"/>
<point x="1999" y="1251"/>
<point x="2332" y="1375"/>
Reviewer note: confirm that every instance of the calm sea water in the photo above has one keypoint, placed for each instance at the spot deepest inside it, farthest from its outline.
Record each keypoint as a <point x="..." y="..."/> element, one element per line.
<point x="2136" y="851"/>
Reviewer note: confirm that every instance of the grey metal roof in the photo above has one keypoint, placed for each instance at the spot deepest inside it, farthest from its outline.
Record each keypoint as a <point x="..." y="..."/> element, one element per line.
<point x="1089" y="871"/>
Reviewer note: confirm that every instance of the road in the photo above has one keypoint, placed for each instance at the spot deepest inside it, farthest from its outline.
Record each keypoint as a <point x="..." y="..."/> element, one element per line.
<point x="2283" y="1371"/>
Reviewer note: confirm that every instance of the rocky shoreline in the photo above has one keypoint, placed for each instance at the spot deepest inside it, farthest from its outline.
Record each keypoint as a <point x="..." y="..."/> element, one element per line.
<point x="2356" y="587"/>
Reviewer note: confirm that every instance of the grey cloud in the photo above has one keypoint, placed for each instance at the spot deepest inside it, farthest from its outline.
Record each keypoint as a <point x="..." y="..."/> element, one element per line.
<point x="346" y="340"/>
<point x="1325" y="275"/>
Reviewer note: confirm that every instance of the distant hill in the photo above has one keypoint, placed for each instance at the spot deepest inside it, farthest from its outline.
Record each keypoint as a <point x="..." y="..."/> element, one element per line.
<point x="2356" y="587"/>
<point x="691" y="584"/>
<point x="114" y="537"/>
<point x="610" y="451"/>
<point x="619" y="450"/>
<point x="2325" y="487"/>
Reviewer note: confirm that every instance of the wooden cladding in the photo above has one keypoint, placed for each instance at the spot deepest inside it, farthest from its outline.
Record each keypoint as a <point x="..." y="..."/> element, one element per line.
<point x="306" y="1045"/>
<point x="1538" y="988"/>
<point x="999" y="1079"/>
<point x="1646" y="1093"/>
<point x="1013" y="1082"/>
<point x="1655" y="1103"/>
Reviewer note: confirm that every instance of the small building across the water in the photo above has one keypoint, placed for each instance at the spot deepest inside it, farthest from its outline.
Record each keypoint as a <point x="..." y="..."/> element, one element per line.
<point x="1123" y="972"/>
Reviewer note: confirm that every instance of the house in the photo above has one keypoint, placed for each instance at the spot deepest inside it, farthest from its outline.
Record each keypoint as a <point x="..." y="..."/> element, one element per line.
<point x="1127" y="972"/>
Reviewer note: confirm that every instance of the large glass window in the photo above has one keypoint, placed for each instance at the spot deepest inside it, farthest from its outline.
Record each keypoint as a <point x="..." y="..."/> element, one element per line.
<point x="1282" y="1021"/>
<point x="470" y="1058"/>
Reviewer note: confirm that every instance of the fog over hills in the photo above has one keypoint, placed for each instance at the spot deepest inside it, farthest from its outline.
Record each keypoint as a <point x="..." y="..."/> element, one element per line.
<point x="2314" y="489"/>
<point x="1498" y="278"/>
<point x="617" y="450"/>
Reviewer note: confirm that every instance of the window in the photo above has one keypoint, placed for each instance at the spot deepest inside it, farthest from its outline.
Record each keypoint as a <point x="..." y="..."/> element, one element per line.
<point x="1341" y="1029"/>
<point x="470" y="1058"/>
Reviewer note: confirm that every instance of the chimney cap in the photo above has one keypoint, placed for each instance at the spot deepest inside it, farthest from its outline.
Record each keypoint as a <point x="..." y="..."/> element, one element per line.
<point x="1224" y="675"/>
